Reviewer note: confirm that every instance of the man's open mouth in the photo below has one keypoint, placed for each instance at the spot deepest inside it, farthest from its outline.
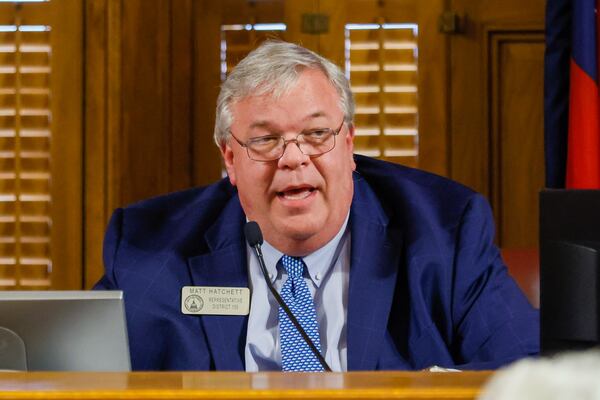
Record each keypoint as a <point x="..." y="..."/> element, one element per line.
<point x="296" y="194"/>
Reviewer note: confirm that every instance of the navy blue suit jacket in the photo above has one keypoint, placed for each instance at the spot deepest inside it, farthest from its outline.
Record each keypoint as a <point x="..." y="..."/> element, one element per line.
<point x="427" y="285"/>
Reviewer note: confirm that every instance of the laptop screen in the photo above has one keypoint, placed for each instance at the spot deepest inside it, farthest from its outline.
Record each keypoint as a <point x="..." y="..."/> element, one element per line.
<point x="63" y="331"/>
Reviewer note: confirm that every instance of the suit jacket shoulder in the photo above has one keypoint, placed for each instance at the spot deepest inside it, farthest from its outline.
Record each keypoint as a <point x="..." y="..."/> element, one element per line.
<point x="176" y="220"/>
<point x="405" y="190"/>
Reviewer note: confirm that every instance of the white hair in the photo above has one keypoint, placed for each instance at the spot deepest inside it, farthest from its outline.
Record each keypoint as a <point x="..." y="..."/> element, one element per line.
<point x="274" y="67"/>
<point x="565" y="376"/>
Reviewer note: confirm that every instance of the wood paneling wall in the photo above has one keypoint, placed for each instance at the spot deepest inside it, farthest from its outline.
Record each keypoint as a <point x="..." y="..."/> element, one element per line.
<point x="67" y="159"/>
<point x="515" y="70"/>
<point x="496" y="126"/>
<point x="141" y="132"/>
<point x="206" y="33"/>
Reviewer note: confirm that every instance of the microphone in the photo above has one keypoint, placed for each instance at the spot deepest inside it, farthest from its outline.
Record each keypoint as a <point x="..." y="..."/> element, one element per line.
<point x="253" y="234"/>
<point x="255" y="240"/>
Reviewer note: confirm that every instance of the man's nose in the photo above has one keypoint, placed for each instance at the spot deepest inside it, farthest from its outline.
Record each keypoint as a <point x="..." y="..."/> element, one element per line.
<point x="292" y="155"/>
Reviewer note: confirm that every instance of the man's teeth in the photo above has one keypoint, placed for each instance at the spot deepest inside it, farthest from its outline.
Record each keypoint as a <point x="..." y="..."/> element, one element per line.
<point x="297" y="194"/>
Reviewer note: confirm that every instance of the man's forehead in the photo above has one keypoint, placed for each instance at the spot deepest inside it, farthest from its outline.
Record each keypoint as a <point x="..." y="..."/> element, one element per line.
<point x="266" y="115"/>
<point x="262" y="122"/>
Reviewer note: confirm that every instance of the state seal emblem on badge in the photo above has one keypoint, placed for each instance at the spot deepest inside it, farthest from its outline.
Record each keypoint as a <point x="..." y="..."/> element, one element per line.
<point x="194" y="303"/>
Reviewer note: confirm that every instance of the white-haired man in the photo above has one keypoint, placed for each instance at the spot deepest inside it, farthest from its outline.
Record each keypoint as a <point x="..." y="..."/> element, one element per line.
<point x="382" y="266"/>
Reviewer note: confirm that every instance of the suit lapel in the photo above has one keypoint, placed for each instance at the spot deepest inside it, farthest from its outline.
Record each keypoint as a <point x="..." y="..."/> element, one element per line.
<point x="224" y="265"/>
<point x="376" y="249"/>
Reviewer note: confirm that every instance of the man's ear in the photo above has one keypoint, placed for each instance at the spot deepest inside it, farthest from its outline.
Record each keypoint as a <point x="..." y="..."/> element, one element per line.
<point x="228" y="156"/>
<point x="349" y="139"/>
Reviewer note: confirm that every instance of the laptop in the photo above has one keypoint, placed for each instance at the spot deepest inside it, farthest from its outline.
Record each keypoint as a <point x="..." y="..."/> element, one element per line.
<point x="63" y="331"/>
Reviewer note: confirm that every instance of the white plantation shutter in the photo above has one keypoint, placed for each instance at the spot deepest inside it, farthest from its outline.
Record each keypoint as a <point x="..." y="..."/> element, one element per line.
<point x="25" y="144"/>
<point x="381" y="63"/>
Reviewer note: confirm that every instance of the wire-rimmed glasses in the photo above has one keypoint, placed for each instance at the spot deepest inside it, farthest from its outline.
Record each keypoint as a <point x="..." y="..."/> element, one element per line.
<point x="312" y="143"/>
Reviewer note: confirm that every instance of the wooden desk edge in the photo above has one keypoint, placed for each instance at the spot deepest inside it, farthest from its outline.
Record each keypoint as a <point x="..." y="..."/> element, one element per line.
<point x="202" y="385"/>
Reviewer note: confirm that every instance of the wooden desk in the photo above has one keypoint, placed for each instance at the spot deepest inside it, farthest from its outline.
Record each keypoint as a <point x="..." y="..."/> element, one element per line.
<point x="239" y="385"/>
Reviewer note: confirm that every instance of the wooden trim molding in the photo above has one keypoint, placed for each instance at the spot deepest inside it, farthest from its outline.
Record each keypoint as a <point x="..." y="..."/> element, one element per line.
<point x="102" y="127"/>
<point x="500" y="40"/>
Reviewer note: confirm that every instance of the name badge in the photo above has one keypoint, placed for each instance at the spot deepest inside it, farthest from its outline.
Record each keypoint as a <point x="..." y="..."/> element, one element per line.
<point x="214" y="300"/>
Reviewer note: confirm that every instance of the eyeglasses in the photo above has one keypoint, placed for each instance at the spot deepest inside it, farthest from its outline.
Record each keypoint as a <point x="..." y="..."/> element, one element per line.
<point x="312" y="143"/>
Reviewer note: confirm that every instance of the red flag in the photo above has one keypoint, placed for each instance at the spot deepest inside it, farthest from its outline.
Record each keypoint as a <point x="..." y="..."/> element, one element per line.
<point x="583" y="156"/>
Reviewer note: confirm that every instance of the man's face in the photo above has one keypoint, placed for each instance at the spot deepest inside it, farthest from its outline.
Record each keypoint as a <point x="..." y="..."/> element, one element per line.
<point x="299" y="202"/>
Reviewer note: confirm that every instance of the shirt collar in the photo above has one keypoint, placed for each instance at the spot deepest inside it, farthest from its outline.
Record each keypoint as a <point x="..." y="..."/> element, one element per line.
<point x="318" y="263"/>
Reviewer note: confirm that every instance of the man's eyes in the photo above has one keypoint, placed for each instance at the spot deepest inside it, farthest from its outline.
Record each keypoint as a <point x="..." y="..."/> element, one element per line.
<point x="316" y="133"/>
<point x="273" y="139"/>
<point x="264" y="140"/>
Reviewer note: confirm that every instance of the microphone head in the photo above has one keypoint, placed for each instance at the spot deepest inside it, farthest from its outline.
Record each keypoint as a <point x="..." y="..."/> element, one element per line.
<point x="253" y="234"/>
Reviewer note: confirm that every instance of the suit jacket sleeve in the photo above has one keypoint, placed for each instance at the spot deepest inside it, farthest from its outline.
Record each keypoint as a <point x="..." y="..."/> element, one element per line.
<point x="492" y="318"/>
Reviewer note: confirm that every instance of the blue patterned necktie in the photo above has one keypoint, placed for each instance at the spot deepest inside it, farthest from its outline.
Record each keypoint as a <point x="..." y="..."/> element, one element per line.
<point x="295" y="352"/>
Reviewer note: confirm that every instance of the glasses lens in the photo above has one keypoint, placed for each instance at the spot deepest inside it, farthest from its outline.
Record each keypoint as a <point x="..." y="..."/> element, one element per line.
<point x="316" y="142"/>
<point x="265" y="148"/>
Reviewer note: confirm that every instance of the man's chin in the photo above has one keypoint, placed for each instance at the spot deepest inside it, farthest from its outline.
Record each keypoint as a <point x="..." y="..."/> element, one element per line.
<point x="299" y="234"/>
<point x="297" y="237"/>
<point x="299" y="229"/>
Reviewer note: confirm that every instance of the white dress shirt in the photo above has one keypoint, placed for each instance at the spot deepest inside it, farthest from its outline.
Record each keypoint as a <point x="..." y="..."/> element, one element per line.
<point x="327" y="279"/>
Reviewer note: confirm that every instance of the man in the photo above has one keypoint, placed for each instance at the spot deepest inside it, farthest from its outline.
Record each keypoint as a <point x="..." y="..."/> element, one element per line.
<point x="385" y="267"/>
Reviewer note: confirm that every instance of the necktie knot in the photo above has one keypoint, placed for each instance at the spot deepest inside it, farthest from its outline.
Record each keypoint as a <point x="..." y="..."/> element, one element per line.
<point x="294" y="266"/>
